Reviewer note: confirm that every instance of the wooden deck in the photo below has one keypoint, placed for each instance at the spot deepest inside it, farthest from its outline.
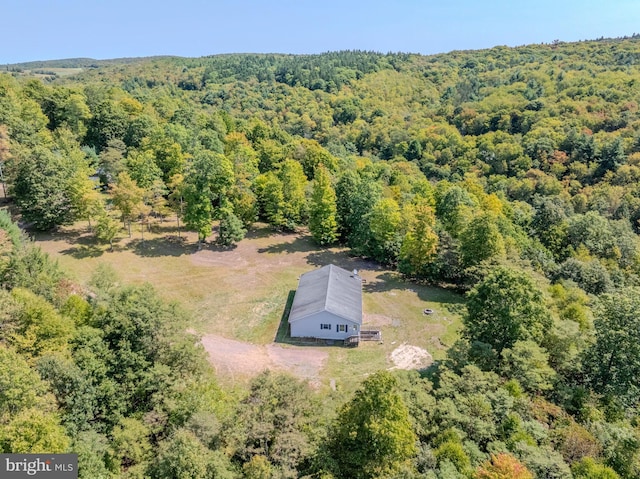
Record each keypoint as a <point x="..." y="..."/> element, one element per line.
<point x="365" y="335"/>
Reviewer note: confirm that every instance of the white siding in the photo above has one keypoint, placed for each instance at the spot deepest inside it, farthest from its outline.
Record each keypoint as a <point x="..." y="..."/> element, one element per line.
<point x="309" y="327"/>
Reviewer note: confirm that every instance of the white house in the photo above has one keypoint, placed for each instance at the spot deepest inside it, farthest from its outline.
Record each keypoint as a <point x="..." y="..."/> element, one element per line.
<point x="327" y="304"/>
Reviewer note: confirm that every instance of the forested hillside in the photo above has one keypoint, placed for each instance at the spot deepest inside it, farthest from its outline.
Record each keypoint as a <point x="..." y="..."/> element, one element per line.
<point x="509" y="174"/>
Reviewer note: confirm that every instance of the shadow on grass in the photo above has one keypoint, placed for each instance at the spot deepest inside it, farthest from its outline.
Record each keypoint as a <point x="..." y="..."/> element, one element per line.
<point x="218" y="248"/>
<point x="255" y="232"/>
<point x="74" y="236"/>
<point x="164" y="246"/>
<point x="83" y="239"/>
<point x="340" y="258"/>
<point x="84" y="251"/>
<point x="301" y="244"/>
<point x="282" y="334"/>
<point x="394" y="282"/>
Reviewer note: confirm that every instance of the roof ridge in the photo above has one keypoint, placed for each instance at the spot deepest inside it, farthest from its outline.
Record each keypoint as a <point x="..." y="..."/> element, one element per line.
<point x="326" y="296"/>
<point x="342" y="297"/>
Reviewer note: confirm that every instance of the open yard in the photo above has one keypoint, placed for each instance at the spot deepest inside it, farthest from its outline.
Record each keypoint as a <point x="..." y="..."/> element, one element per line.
<point x="237" y="298"/>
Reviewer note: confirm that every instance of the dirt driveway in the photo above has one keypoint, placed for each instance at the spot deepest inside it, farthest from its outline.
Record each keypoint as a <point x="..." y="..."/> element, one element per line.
<point x="238" y="359"/>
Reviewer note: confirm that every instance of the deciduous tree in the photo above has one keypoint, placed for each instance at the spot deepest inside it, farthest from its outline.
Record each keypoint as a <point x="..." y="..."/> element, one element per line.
<point x="294" y="183"/>
<point x="128" y="198"/>
<point x="322" y="209"/>
<point x="207" y="182"/>
<point x="420" y="243"/>
<point x="506" y="307"/>
<point x="34" y="431"/>
<point x="386" y="230"/>
<point x="503" y="466"/>
<point x="107" y="229"/>
<point x="588" y="468"/>
<point x="481" y="240"/>
<point x="182" y="456"/>
<point x="43" y="183"/>
<point x="372" y="435"/>
<point x="275" y="421"/>
<point x="613" y="362"/>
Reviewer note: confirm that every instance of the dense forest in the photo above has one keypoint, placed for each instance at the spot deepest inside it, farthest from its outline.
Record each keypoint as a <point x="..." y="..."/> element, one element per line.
<point x="511" y="175"/>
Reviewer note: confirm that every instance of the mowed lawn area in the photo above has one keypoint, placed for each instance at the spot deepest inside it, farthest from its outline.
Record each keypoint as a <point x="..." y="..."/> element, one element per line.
<point x="240" y="293"/>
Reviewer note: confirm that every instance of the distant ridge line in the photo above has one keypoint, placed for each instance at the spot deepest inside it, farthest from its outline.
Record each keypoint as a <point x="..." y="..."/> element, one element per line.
<point x="82" y="62"/>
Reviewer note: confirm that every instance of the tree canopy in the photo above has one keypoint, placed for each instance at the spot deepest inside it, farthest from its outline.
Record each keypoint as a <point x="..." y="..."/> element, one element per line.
<point x="511" y="175"/>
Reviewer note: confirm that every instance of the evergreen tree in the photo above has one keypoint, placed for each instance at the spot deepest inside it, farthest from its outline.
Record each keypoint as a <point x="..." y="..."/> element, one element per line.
<point x="231" y="230"/>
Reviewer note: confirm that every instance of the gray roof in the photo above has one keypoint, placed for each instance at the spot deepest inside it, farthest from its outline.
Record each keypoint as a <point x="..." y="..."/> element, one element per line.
<point x="331" y="289"/>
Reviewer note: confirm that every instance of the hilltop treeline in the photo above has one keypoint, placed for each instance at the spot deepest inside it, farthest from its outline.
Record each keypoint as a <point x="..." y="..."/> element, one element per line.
<point x="509" y="173"/>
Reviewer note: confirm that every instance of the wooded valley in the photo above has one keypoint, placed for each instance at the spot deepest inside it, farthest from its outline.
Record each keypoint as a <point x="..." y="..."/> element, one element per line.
<point x="510" y="175"/>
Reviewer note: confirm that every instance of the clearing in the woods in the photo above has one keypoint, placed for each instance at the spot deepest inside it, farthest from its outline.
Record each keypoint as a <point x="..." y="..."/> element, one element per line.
<point x="237" y="298"/>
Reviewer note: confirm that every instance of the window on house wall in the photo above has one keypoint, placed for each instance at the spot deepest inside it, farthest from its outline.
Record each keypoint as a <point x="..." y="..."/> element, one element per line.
<point x="325" y="326"/>
<point x="342" y="328"/>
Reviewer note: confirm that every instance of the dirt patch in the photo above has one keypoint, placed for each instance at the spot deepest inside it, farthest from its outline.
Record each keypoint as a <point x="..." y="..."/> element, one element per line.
<point x="227" y="259"/>
<point x="239" y="359"/>
<point x="304" y="362"/>
<point x="406" y="356"/>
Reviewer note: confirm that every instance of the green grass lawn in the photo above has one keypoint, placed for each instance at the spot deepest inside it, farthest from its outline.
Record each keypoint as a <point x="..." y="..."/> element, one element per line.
<point x="241" y="293"/>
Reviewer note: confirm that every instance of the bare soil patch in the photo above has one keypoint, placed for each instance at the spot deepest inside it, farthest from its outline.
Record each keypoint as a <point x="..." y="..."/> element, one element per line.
<point x="230" y="259"/>
<point x="240" y="359"/>
<point x="406" y="356"/>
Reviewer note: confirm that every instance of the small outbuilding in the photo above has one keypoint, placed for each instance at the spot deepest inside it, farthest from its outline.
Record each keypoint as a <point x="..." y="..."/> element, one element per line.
<point x="327" y="305"/>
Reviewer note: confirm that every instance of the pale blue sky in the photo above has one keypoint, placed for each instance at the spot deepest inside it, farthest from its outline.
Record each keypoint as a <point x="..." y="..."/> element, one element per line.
<point x="54" y="29"/>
